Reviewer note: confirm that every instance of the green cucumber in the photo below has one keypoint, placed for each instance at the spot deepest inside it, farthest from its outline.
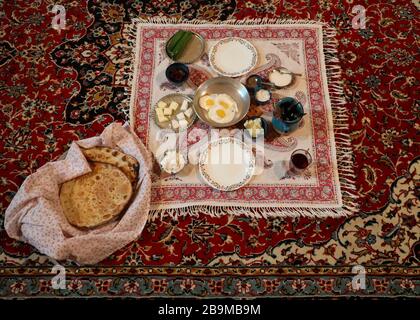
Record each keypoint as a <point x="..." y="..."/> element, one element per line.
<point x="181" y="44"/>
<point x="173" y="41"/>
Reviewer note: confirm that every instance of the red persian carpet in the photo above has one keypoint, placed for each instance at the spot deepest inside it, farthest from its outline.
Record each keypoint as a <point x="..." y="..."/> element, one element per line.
<point x="57" y="87"/>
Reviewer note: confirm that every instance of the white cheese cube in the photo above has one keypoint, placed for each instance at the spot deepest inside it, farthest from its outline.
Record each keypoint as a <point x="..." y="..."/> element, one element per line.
<point x="159" y="111"/>
<point x="254" y="127"/>
<point x="183" y="124"/>
<point x="189" y="112"/>
<point x="173" y="105"/>
<point x="184" y="105"/>
<point x="167" y="111"/>
<point x="175" y="124"/>
<point x="162" y="118"/>
<point x="161" y="105"/>
<point x="180" y="116"/>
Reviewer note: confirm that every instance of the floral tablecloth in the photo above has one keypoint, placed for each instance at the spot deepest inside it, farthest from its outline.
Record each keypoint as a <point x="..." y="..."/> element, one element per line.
<point x="296" y="46"/>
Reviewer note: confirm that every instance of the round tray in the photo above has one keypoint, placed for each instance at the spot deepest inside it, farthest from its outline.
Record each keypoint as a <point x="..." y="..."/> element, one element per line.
<point x="192" y="52"/>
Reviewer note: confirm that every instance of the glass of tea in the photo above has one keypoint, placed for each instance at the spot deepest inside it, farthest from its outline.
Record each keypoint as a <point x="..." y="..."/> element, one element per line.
<point x="300" y="160"/>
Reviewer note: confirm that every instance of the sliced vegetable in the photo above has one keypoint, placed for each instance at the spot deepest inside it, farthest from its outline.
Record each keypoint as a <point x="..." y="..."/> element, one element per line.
<point x="174" y="49"/>
<point x="182" y="43"/>
<point x="173" y="41"/>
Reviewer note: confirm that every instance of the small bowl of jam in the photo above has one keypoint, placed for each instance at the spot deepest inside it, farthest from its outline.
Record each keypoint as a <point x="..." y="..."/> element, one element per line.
<point x="253" y="83"/>
<point x="177" y="73"/>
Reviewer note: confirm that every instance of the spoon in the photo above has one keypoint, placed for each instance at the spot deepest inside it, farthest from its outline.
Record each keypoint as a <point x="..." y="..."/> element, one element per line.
<point x="288" y="72"/>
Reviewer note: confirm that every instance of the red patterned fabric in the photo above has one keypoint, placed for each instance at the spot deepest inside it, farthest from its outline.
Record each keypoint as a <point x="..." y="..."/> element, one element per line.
<point x="59" y="87"/>
<point x="317" y="188"/>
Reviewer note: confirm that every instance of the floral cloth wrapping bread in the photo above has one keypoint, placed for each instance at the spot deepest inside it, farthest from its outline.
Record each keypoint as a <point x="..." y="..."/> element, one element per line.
<point x="36" y="214"/>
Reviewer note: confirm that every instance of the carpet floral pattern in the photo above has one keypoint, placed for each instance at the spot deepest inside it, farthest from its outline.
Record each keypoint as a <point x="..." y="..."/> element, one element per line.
<point x="61" y="86"/>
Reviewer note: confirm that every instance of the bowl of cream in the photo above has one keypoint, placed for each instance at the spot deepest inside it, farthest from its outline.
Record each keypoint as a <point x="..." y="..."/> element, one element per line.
<point x="172" y="161"/>
<point x="281" y="77"/>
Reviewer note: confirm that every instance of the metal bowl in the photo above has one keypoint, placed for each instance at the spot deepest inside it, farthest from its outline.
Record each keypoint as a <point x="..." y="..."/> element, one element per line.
<point x="226" y="85"/>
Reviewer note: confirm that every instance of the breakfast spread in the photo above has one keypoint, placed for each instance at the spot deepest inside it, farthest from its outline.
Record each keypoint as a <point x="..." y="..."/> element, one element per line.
<point x="220" y="101"/>
<point x="92" y="199"/>
<point x="101" y="195"/>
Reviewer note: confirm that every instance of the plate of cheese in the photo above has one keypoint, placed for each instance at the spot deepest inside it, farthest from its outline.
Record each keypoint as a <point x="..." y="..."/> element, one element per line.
<point x="175" y="112"/>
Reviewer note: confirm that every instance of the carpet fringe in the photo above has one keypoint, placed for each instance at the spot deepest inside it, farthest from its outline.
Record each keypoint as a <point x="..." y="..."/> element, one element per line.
<point x="340" y="118"/>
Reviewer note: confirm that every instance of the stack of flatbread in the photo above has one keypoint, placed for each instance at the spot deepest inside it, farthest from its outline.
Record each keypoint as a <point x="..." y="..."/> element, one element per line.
<point x="104" y="193"/>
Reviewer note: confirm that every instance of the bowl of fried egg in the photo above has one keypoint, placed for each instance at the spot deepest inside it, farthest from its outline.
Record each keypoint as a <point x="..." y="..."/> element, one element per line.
<point x="221" y="102"/>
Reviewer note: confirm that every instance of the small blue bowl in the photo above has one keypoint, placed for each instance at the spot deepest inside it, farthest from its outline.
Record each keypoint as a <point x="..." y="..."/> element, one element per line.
<point x="259" y="102"/>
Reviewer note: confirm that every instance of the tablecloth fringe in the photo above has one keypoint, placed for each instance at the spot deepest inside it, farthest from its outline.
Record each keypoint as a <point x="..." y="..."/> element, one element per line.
<point x="344" y="152"/>
<point x="259" y="212"/>
<point x="246" y="21"/>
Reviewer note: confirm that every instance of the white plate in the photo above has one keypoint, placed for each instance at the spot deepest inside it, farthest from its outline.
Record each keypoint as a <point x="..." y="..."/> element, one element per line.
<point x="233" y="57"/>
<point x="226" y="164"/>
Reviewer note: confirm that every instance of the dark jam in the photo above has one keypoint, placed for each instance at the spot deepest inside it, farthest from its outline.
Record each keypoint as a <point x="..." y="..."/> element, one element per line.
<point x="177" y="75"/>
<point x="300" y="161"/>
<point x="253" y="82"/>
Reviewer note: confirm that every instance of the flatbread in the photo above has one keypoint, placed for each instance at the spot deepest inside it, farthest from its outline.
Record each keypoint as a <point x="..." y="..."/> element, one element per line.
<point x="128" y="164"/>
<point x="97" y="197"/>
